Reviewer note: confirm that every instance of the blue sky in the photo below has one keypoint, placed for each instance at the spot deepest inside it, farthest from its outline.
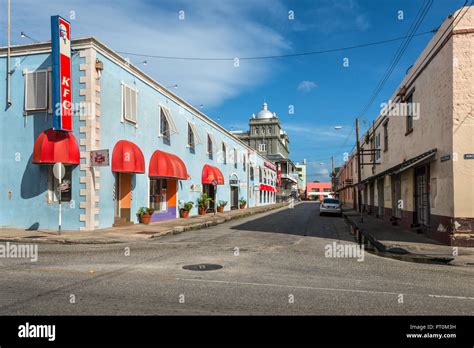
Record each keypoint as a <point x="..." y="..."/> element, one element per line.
<point x="323" y="92"/>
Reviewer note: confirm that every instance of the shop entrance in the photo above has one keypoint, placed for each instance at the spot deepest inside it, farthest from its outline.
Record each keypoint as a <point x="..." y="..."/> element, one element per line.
<point x="210" y="190"/>
<point x="234" y="197"/>
<point x="163" y="198"/>
<point x="422" y="206"/>
<point x="123" y="200"/>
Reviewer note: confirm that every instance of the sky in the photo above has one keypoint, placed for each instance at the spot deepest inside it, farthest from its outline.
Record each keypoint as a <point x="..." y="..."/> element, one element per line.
<point x="323" y="90"/>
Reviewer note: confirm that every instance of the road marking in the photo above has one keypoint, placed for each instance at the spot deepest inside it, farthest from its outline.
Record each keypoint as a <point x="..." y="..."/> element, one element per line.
<point x="288" y="286"/>
<point x="455" y="297"/>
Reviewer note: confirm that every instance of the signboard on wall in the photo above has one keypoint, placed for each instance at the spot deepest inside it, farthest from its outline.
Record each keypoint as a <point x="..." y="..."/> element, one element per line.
<point x="61" y="74"/>
<point x="195" y="187"/>
<point x="99" y="158"/>
<point x="269" y="165"/>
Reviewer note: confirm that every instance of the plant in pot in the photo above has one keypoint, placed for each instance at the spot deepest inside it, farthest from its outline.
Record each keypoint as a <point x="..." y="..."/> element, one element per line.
<point x="242" y="202"/>
<point x="203" y="203"/>
<point x="220" y="207"/>
<point x="144" y="215"/>
<point x="184" y="211"/>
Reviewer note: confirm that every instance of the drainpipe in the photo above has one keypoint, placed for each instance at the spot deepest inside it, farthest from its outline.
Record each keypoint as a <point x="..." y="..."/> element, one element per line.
<point x="9" y="102"/>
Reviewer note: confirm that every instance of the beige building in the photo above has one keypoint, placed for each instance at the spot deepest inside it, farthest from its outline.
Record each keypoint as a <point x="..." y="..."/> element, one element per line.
<point x="301" y="171"/>
<point x="420" y="172"/>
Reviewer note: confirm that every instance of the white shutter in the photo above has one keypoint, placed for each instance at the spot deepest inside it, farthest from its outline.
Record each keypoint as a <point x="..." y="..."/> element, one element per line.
<point x="197" y="138"/>
<point x="169" y="118"/>
<point x="36" y="90"/>
<point x="129" y="104"/>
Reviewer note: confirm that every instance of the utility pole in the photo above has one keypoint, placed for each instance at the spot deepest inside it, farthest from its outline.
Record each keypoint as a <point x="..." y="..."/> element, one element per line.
<point x="9" y="72"/>
<point x="359" y="167"/>
<point x="333" y="176"/>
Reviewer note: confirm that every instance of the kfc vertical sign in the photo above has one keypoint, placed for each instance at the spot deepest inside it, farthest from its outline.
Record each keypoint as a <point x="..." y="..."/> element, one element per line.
<point x="61" y="78"/>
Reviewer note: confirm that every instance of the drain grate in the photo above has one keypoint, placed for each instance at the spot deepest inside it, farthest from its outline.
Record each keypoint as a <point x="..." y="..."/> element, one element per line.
<point x="202" y="267"/>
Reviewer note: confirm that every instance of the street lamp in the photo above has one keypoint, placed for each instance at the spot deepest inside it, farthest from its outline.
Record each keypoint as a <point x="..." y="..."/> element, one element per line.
<point x="23" y="35"/>
<point x="174" y="86"/>
<point x="337" y="127"/>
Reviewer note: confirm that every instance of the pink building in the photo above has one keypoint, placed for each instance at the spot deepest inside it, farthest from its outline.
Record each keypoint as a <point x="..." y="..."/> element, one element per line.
<point x="318" y="190"/>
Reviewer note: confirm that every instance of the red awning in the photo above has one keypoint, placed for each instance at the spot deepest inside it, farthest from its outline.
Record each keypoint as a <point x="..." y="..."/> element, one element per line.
<point x="53" y="146"/>
<point x="127" y="158"/>
<point x="264" y="187"/>
<point x="210" y="173"/>
<point x="166" y="165"/>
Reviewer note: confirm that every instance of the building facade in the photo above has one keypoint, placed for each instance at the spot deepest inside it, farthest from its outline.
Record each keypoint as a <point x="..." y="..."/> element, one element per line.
<point x="420" y="149"/>
<point x="267" y="137"/>
<point x="317" y="191"/>
<point x="162" y="151"/>
<point x="301" y="171"/>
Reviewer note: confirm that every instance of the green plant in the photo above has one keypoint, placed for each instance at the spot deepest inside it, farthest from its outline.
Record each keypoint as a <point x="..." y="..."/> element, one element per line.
<point x="242" y="201"/>
<point x="141" y="211"/>
<point x="204" y="201"/>
<point x="222" y="203"/>
<point x="150" y="210"/>
<point x="188" y="206"/>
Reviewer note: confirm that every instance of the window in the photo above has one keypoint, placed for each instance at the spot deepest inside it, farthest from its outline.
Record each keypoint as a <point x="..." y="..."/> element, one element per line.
<point x="209" y="146"/>
<point x="129" y="104"/>
<point x="409" y="114"/>
<point x="260" y="174"/>
<point x="327" y="190"/>
<point x="256" y="130"/>
<point x="377" y="146"/>
<point x="190" y="137"/>
<point x="269" y="129"/>
<point x="38" y="91"/>
<point x="244" y="162"/>
<point x="262" y="147"/>
<point x="252" y="176"/>
<point x="385" y="136"/>
<point x="236" y="158"/>
<point x="158" y="191"/>
<point x="166" y="124"/>
<point x="224" y="153"/>
<point x="66" y="186"/>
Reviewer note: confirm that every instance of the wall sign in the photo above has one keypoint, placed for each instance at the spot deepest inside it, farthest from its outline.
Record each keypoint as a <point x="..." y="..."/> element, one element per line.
<point x="195" y="187"/>
<point x="445" y="158"/>
<point x="99" y="158"/>
<point x="469" y="156"/>
<point x="269" y="165"/>
<point x="61" y="74"/>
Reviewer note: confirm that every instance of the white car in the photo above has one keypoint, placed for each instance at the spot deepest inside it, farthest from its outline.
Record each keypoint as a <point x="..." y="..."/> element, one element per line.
<point x="330" y="206"/>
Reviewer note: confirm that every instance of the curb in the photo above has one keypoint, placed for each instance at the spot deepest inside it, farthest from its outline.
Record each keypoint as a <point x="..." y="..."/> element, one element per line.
<point x="172" y="230"/>
<point x="398" y="253"/>
<point x="214" y="222"/>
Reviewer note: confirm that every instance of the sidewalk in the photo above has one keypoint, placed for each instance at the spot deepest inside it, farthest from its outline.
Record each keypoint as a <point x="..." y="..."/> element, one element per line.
<point x="405" y="244"/>
<point x="130" y="233"/>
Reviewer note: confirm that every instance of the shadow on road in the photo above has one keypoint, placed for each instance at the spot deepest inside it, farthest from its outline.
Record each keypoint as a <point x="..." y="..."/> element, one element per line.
<point x="302" y="220"/>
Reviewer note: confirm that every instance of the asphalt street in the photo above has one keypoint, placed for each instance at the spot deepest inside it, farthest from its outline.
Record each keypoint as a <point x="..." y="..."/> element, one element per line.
<point x="273" y="263"/>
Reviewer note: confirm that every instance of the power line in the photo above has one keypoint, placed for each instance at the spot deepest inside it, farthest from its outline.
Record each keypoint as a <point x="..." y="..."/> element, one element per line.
<point x="276" y="56"/>
<point x="422" y="12"/>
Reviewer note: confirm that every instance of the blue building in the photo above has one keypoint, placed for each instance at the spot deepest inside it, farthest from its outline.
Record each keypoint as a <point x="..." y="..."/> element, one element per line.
<point x="162" y="151"/>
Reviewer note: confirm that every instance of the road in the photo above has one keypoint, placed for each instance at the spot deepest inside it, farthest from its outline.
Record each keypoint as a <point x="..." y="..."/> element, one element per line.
<point x="273" y="263"/>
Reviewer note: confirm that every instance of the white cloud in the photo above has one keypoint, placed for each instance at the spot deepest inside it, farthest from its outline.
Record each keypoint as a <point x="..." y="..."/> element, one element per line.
<point x="306" y="86"/>
<point x="210" y="29"/>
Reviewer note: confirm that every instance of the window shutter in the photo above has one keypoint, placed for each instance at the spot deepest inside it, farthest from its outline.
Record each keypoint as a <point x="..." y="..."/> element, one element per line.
<point x="36" y="89"/>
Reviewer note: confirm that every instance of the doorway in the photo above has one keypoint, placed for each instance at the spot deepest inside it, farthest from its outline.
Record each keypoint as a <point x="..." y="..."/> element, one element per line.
<point x="234" y="197"/>
<point x="123" y="201"/>
<point x="210" y="190"/>
<point x="422" y="206"/>
<point x="380" y="197"/>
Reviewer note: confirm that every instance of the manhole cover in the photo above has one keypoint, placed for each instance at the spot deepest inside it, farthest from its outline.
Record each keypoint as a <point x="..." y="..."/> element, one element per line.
<point x="202" y="267"/>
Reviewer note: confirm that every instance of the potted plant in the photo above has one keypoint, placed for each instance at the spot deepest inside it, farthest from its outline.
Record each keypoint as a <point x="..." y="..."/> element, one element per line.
<point x="220" y="207"/>
<point x="242" y="202"/>
<point x="184" y="211"/>
<point x="203" y="203"/>
<point x="144" y="215"/>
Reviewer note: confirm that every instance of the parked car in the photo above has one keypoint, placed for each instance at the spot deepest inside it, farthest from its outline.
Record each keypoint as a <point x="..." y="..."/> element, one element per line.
<point x="330" y="206"/>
